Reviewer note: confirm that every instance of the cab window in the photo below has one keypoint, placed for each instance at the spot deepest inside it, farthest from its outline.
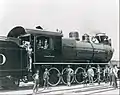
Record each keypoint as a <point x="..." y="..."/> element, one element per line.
<point x="43" y="42"/>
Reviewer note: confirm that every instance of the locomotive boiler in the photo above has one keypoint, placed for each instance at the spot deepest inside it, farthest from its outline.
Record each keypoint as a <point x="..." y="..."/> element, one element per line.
<point x="50" y="50"/>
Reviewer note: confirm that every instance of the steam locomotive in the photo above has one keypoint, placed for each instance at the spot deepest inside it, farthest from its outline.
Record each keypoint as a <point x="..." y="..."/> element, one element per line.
<point x="59" y="52"/>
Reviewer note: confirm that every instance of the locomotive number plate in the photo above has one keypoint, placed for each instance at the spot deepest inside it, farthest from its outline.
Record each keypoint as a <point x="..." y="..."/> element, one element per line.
<point x="2" y="59"/>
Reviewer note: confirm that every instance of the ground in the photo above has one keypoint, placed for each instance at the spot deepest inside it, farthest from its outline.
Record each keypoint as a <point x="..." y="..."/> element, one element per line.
<point x="102" y="89"/>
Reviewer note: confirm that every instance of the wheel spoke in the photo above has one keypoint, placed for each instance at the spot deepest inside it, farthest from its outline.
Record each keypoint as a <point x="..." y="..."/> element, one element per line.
<point x="79" y="75"/>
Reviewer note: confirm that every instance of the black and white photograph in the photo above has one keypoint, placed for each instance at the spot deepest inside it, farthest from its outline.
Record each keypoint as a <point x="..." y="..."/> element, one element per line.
<point x="59" y="47"/>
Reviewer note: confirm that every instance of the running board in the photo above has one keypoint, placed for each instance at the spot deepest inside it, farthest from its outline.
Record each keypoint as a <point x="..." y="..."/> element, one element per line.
<point x="71" y="63"/>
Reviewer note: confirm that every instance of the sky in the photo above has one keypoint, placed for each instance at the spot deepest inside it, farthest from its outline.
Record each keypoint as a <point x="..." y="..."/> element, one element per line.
<point x="84" y="16"/>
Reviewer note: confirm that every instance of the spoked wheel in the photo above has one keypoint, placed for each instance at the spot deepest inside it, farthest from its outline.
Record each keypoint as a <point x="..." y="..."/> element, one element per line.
<point x="54" y="77"/>
<point x="79" y="75"/>
<point x="64" y="76"/>
<point x="95" y="74"/>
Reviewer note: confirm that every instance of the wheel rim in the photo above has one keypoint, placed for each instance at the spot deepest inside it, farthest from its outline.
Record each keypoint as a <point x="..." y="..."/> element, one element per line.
<point x="79" y="75"/>
<point x="64" y="76"/>
<point x="54" y="77"/>
<point x="95" y="74"/>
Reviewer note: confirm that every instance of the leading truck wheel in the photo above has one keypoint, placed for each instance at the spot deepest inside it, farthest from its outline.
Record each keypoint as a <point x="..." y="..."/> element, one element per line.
<point x="64" y="76"/>
<point x="79" y="75"/>
<point x="54" y="77"/>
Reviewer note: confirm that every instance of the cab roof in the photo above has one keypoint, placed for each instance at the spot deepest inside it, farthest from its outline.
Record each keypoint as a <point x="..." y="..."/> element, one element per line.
<point x="18" y="31"/>
<point x="42" y="32"/>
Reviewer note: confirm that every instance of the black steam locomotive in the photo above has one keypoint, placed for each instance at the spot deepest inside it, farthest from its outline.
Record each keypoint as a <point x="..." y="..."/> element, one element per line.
<point x="50" y="50"/>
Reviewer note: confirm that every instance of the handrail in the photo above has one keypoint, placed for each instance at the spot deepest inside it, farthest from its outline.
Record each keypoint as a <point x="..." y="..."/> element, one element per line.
<point x="16" y="40"/>
<point x="4" y="37"/>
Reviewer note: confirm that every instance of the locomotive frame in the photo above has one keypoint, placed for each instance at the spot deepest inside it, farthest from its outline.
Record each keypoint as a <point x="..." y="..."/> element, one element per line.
<point x="60" y="53"/>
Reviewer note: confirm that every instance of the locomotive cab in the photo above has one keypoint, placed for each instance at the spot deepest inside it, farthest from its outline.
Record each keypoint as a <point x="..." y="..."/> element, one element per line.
<point x="47" y="48"/>
<point x="46" y="45"/>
